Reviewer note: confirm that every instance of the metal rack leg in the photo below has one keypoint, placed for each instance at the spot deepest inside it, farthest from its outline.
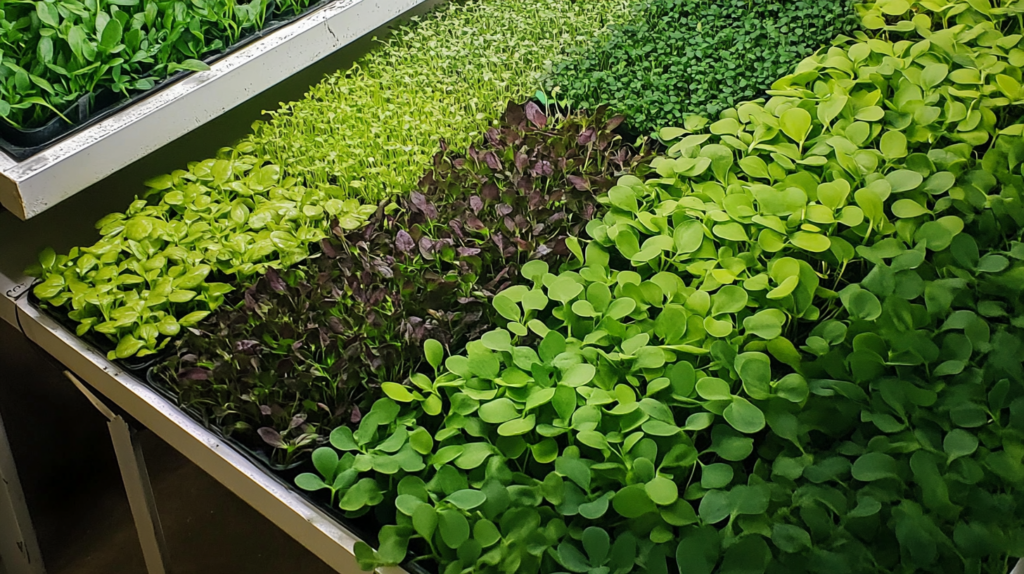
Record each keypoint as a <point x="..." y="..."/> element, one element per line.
<point x="137" y="485"/>
<point x="140" y="494"/>
<point x="19" y="549"/>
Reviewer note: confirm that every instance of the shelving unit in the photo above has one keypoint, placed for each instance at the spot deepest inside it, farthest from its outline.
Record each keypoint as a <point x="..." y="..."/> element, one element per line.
<point x="32" y="190"/>
<point x="33" y="186"/>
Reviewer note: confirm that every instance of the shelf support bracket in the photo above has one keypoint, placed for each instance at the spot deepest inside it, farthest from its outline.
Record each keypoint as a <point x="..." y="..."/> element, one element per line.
<point x="19" y="548"/>
<point x="137" y="485"/>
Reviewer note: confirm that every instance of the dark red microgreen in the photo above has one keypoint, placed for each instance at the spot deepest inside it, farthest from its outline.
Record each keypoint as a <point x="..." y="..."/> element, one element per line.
<point x="275" y="281"/>
<point x="535" y="115"/>
<point x="403" y="241"/>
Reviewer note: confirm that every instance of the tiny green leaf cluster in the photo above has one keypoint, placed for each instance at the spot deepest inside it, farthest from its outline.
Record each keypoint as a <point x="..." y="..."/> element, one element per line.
<point x="157" y="266"/>
<point x="675" y="58"/>
<point x="57" y="51"/>
<point x="372" y="130"/>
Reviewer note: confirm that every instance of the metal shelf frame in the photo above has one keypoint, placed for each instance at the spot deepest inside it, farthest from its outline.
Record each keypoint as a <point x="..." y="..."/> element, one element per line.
<point x="32" y="186"/>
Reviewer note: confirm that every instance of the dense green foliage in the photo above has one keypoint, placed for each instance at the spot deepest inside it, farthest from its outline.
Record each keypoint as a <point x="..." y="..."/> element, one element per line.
<point x="317" y="341"/>
<point x="675" y="58"/>
<point x="792" y="343"/>
<point x="160" y="265"/>
<point x="796" y="347"/>
<point x="56" y="51"/>
<point x="372" y="130"/>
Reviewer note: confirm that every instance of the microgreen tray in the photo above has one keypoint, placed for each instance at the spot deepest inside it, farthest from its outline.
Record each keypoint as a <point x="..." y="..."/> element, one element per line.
<point x="134" y="365"/>
<point x="365" y="527"/>
<point x="93" y="107"/>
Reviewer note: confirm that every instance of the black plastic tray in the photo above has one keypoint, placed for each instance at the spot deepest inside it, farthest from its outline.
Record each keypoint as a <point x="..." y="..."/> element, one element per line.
<point x="284" y="475"/>
<point x="21" y="144"/>
<point x="134" y="365"/>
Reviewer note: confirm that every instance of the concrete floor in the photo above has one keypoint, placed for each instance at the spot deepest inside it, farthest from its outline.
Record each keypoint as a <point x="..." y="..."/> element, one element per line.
<point x="74" y="492"/>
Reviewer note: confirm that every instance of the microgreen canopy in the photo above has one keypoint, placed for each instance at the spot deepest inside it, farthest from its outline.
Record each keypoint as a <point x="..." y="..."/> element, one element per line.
<point x="831" y="287"/>
<point x="313" y="340"/>
<point x="57" y="51"/>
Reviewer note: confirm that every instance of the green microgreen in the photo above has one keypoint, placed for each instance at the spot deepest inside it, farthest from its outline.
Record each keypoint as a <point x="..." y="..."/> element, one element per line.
<point x="58" y="51"/>
<point x="372" y="130"/>
<point x="675" y="58"/>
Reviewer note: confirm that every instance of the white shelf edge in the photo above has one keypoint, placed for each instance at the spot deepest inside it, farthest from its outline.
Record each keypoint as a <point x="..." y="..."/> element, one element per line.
<point x="32" y="186"/>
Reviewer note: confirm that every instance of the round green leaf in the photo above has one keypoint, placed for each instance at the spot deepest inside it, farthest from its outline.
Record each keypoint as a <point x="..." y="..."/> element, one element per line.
<point x="546" y="451"/>
<point x="578" y="375"/>
<point x="714" y="389"/>
<point x="309" y="482"/>
<point x="325" y="459"/>
<point x="796" y="123"/>
<point x="434" y="352"/>
<point x="874" y="466"/>
<point x="715" y="507"/>
<point x="959" y="443"/>
<point x="728" y="299"/>
<point x="564" y="289"/>
<point x="364" y="493"/>
<point x="766" y="324"/>
<point x="424" y="520"/>
<point x="813" y="242"/>
<point x="717" y="475"/>
<point x="584" y="309"/>
<point x="669" y="134"/>
<point x="397" y="392"/>
<point x="907" y="208"/>
<point x="593" y="439"/>
<point x="903" y="180"/>
<point x="421" y="441"/>
<point x="341" y="439"/>
<point x="595" y="509"/>
<point x="893" y="144"/>
<point x="498" y="411"/>
<point x="864" y="306"/>
<point x="744" y="416"/>
<point x="454" y="528"/>
<point x="790" y="538"/>
<point x="517" y="427"/>
<point x="660" y="428"/>
<point x="662" y="491"/>
<point x="506" y="307"/>
<point x="467" y="499"/>
<point x="486" y="533"/>
<point x="633" y="501"/>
